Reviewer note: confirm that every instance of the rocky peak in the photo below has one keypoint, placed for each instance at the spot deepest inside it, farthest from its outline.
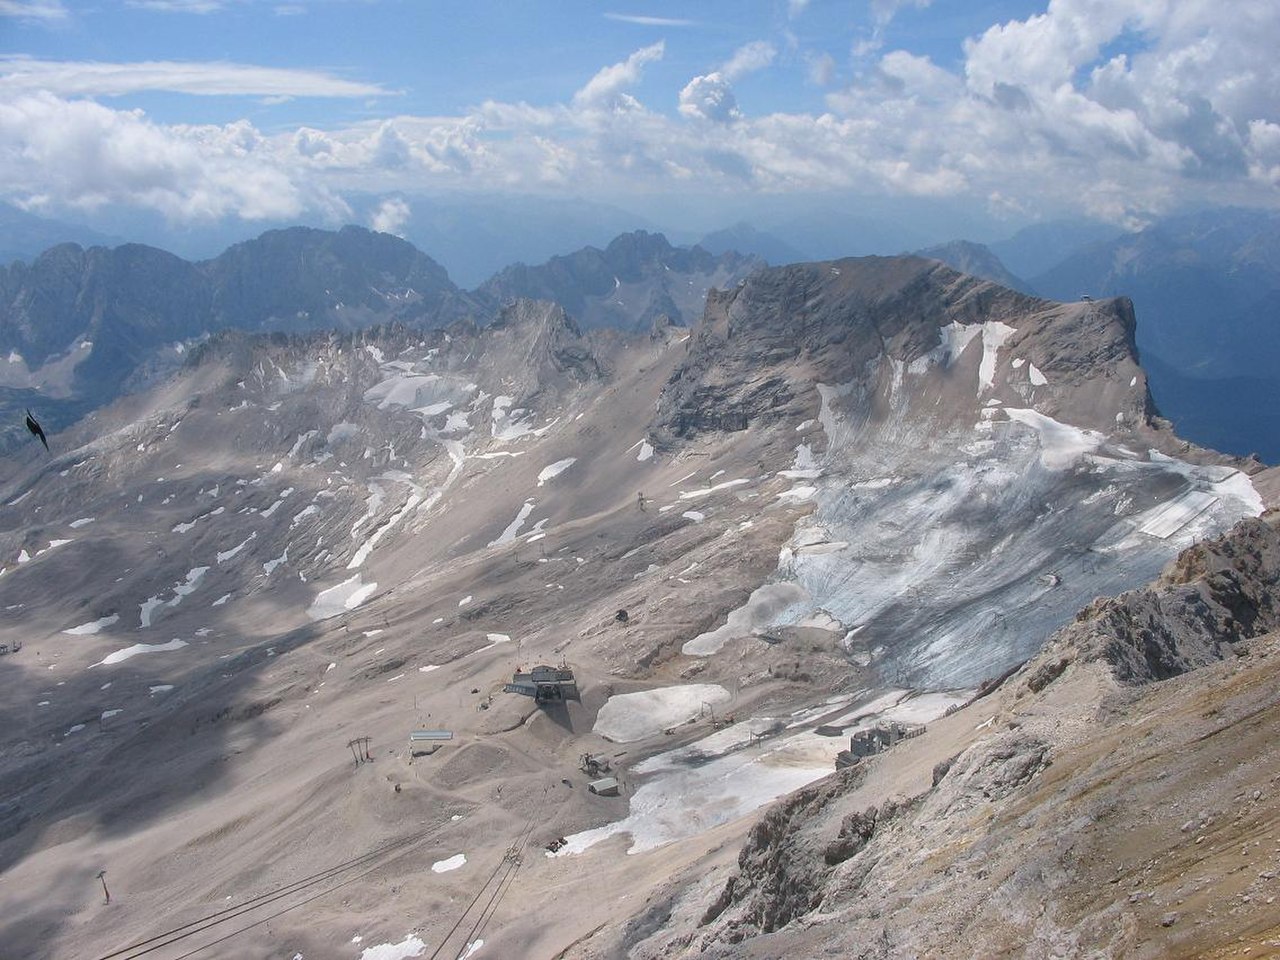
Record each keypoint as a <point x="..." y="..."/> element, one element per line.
<point x="976" y="260"/>
<point x="762" y="345"/>
<point x="635" y="278"/>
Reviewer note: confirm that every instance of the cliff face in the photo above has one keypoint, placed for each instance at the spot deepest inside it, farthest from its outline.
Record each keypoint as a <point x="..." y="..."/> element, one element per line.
<point x="1103" y="801"/>
<point x="762" y="347"/>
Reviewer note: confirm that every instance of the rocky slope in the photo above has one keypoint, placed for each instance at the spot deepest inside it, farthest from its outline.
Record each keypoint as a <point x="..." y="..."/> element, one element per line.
<point x="854" y="491"/>
<point x="1115" y="797"/>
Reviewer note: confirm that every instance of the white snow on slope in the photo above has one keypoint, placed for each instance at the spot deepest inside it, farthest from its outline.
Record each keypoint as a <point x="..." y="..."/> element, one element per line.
<point x="555" y="469"/>
<point x="514" y="526"/>
<point x="225" y="555"/>
<point x="685" y="794"/>
<point x="347" y="595"/>
<point x="452" y="863"/>
<point x="646" y="451"/>
<point x="400" y="390"/>
<point x="410" y="946"/>
<point x="706" y="491"/>
<point x="763" y="607"/>
<point x="87" y="629"/>
<point x="805" y="466"/>
<point x="139" y="648"/>
<point x="1038" y="379"/>
<point x="190" y="524"/>
<point x="181" y="589"/>
<point x="366" y="548"/>
<point x="626" y="717"/>
<point x="1061" y="444"/>
<point x="284" y="494"/>
<point x="994" y="334"/>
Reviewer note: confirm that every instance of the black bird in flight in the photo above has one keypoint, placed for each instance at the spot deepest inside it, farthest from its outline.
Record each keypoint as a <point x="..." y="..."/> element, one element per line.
<point x="36" y="430"/>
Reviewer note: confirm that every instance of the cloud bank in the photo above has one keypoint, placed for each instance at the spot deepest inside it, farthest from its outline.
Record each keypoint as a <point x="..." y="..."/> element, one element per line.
<point x="1118" y="109"/>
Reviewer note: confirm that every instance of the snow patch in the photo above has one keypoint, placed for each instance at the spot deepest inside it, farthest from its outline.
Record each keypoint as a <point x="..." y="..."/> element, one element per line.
<point x="509" y="534"/>
<point x="763" y="607"/>
<point x="138" y="649"/>
<point x="1061" y="444"/>
<point x="336" y="600"/>
<point x="628" y="717"/>
<point x="451" y="863"/>
<point x="410" y="946"/>
<point x="555" y="469"/>
<point x="87" y="629"/>
<point x="706" y="491"/>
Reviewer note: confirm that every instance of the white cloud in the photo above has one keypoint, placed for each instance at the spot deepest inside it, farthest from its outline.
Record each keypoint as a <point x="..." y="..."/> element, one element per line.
<point x="883" y="11"/>
<point x="796" y="7"/>
<point x="391" y="216"/>
<point x="94" y="79"/>
<point x="1121" y="109"/>
<point x="605" y="89"/>
<point x="81" y="154"/>
<point x="650" y="21"/>
<point x="822" y="69"/>
<point x="748" y="58"/>
<point x="177" y="6"/>
<point x="33" y="9"/>
<point x="710" y="97"/>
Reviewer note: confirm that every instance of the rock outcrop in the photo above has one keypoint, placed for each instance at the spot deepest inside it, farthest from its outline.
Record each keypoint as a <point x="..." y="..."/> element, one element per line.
<point x="1085" y="814"/>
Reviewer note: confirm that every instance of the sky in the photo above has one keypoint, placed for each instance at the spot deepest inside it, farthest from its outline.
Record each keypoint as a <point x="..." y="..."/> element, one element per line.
<point x="255" y="111"/>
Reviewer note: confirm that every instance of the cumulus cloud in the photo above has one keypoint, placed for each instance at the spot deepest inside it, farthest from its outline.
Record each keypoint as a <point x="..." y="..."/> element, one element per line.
<point x="391" y="216"/>
<point x="710" y="97"/>
<point x="95" y="79"/>
<point x="81" y="154"/>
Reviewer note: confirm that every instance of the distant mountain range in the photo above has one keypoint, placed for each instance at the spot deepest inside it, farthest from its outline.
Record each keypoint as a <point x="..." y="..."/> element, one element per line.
<point x="976" y="260"/>
<point x="744" y="238"/>
<point x="24" y="236"/>
<point x="629" y="284"/>
<point x="1206" y="289"/>
<point x="78" y="327"/>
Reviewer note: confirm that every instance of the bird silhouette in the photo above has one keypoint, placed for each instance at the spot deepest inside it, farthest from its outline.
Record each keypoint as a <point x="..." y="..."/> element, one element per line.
<point x="36" y="430"/>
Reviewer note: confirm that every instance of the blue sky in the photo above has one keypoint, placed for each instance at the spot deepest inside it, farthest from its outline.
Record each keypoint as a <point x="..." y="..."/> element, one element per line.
<point x="264" y="110"/>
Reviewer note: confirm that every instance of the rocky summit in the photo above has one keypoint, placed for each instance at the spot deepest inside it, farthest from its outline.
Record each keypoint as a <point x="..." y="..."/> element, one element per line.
<point x="859" y="515"/>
